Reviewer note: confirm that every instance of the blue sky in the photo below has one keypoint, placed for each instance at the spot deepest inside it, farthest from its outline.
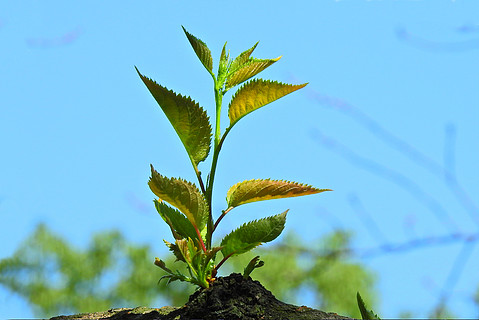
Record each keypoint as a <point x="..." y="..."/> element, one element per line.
<point x="392" y="100"/>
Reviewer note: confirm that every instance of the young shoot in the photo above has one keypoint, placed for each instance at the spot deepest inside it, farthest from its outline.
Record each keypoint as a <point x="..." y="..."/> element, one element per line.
<point x="186" y="207"/>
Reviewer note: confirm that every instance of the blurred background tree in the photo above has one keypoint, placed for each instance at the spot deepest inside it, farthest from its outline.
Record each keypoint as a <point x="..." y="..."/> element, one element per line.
<point x="56" y="278"/>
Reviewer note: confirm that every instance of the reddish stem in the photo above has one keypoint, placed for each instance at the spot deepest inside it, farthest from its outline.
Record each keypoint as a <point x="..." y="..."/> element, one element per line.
<point x="223" y="261"/>
<point x="201" y="239"/>
<point x="221" y="217"/>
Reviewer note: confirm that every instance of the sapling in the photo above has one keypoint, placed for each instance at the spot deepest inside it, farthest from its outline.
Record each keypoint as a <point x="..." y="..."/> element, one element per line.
<point x="187" y="208"/>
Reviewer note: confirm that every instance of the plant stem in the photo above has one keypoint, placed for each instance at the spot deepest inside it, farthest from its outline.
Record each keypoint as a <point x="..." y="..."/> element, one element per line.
<point x="216" y="151"/>
<point x="223" y="261"/>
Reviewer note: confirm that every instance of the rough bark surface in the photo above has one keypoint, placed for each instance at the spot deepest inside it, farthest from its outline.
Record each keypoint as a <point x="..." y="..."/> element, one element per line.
<point x="229" y="298"/>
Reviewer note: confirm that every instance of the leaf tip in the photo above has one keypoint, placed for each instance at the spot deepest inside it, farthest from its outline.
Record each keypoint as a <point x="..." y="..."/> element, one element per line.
<point x="153" y="172"/>
<point x="138" y="71"/>
<point x="302" y="85"/>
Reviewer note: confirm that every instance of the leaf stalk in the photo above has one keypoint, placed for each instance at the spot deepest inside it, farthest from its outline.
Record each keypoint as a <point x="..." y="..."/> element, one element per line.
<point x="221" y="217"/>
<point x="223" y="261"/>
<point x="198" y="175"/>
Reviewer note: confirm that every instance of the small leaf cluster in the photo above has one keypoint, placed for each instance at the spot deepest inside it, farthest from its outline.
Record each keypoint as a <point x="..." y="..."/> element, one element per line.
<point x="185" y="207"/>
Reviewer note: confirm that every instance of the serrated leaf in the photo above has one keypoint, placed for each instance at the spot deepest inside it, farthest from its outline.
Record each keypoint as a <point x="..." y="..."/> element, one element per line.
<point x="242" y="58"/>
<point x="172" y="278"/>
<point x="256" y="94"/>
<point x="266" y="189"/>
<point x="176" y="251"/>
<point x="365" y="313"/>
<point x="183" y="195"/>
<point x="252" y="234"/>
<point x="224" y="57"/>
<point x="177" y="221"/>
<point x="247" y="71"/>
<point x="189" y="120"/>
<point x="201" y="50"/>
<point x="222" y="67"/>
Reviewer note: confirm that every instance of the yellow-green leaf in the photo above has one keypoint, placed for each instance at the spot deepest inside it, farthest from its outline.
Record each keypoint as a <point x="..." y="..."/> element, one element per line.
<point x="183" y="246"/>
<point x="248" y="70"/>
<point x="256" y="94"/>
<point x="259" y="190"/>
<point x="224" y="57"/>
<point x="201" y="50"/>
<point x="222" y="67"/>
<point x="189" y="120"/>
<point x="242" y="58"/>
<point x="181" y="194"/>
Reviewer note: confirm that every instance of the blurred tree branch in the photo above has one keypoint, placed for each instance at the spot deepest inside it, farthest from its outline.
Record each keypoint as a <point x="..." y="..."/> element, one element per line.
<point x="444" y="173"/>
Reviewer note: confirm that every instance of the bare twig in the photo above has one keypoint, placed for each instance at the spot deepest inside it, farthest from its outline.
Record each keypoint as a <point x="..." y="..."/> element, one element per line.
<point x="402" y="146"/>
<point x="391" y="248"/>
<point x="394" y="176"/>
<point x="368" y="222"/>
<point x="445" y="173"/>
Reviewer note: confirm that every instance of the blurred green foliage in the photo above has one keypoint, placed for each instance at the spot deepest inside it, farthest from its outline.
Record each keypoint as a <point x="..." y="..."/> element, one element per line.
<point x="57" y="278"/>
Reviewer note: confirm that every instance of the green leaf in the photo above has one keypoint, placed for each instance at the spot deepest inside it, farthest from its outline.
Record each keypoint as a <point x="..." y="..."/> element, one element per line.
<point x="256" y="94"/>
<point x="248" y="70"/>
<point x="178" y="223"/>
<point x="172" y="276"/>
<point x="365" y="313"/>
<point x="176" y="251"/>
<point x="160" y="263"/>
<point x="253" y="264"/>
<point x="189" y="120"/>
<point x="259" y="190"/>
<point x="201" y="50"/>
<point x="252" y="234"/>
<point x="183" y="195"/>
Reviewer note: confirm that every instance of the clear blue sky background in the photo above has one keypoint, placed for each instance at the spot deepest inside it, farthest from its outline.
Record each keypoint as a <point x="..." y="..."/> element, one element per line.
<point x="78" y="128"/>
